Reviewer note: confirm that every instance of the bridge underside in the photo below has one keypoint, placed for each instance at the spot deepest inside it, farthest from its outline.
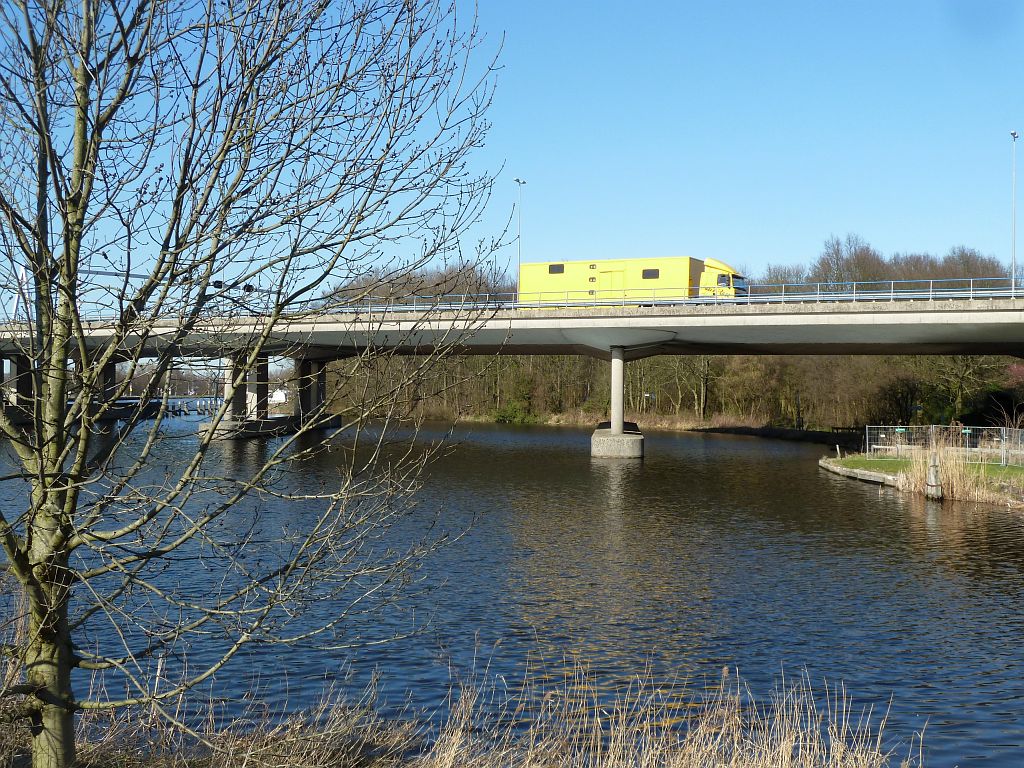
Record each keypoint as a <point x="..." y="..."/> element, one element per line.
<point x="641" y="351"/>
<point x="908" y="328"/>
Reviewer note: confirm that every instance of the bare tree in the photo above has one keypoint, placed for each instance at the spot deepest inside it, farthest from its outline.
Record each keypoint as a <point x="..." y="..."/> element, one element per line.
<point x="172" y="166"/>
<point x="846" y="261"/>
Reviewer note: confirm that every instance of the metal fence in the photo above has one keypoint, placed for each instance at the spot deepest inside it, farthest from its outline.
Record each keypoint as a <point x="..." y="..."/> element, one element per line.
<point x="978" y="445"/>
<point x="101" y="295"/>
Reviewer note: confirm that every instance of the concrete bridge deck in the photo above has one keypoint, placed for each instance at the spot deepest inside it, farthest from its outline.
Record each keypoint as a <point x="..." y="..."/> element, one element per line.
<point x="987" y="326"/>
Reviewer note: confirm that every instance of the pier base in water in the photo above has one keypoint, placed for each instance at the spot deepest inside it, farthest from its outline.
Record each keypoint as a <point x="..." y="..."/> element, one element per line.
<point x="273" y="426"/>
<point x="627" y="445"/>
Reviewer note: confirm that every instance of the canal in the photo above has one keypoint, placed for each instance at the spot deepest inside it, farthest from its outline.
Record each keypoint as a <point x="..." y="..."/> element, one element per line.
<point x="715" y="551"/>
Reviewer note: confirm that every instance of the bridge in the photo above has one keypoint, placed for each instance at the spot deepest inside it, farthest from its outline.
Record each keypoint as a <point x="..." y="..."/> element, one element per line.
<point x="965" y="318"/>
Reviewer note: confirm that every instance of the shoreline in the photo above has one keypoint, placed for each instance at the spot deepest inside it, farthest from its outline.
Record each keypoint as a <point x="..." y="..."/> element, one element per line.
<point x="865" y="475"/>
<point x="848" y="440"/>
<point x="977" y="491"/>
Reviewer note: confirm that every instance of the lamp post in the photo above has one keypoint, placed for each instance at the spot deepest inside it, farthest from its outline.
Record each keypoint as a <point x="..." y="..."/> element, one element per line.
<point x="519" y="232"/>
<point x="1013" y="217"/>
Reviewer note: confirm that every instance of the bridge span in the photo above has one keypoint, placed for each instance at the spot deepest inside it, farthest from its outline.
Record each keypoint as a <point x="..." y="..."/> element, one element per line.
<point x="619" y="333"/>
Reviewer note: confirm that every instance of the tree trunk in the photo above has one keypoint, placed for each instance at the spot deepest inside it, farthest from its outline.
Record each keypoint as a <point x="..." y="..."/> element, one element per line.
<point x="705" y="375"/>
<point x="48" y="665"/>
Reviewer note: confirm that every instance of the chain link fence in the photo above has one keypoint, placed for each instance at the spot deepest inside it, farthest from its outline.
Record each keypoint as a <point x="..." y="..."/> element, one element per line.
<point x="978" y="445"/>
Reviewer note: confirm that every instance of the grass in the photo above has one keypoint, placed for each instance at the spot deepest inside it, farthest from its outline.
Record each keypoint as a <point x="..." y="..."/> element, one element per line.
<point x="566" y="726"/>
<point x="886" y="466"/>
<point x="961" y="480"/>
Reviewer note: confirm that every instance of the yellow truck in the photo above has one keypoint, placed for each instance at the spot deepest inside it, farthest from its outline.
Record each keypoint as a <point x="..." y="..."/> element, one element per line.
<point x="637" y="281"/>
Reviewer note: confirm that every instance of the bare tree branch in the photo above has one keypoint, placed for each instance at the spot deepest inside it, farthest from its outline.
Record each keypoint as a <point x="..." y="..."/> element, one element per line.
<point x="173" y="165"/>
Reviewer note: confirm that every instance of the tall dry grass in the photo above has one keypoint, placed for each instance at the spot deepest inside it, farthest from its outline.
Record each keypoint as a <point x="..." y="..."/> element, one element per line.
<point x="13" y="632"/>
<point x="653" y="727"/>
<point x="646" y="727"/>
<point x="961" y="480"/>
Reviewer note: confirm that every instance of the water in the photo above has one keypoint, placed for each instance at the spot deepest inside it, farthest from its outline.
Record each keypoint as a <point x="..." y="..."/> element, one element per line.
<point x="715" y="551"/>
<point x="718" y="551"/>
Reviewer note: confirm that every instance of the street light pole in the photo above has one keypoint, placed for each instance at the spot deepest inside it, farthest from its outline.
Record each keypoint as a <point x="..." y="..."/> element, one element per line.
<point x="1013" y="218"/>
<point x="519" y="233"/>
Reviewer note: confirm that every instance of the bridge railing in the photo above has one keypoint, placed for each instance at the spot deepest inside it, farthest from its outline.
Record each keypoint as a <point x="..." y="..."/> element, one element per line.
<point x="976" y="445"/>
<point x="99" y="301"/>
<point x="775" y="293"/>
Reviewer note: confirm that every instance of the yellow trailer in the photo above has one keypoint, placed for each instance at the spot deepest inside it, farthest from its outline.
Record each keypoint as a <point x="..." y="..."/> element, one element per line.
<point x="634" y="280"/>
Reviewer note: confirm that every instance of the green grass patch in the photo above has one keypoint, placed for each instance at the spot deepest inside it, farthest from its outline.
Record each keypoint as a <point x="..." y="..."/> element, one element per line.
<point x="888" y="466"/>
<point x="994" y="473"/>
<point x="1011" y="475"/>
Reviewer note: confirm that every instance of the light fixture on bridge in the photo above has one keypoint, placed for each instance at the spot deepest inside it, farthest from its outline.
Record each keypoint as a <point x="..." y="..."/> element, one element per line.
<point x="519" y="232"/>
<point x="1013" y="217"/>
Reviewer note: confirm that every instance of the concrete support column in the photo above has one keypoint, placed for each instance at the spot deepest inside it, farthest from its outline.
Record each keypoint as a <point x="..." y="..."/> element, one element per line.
<point x="618" y="390"/>
<point x="311" y="378"/>
<point x="613" y="442"/>
<point x="304" y="385"/>
<point x="262" y="387"/>
<point x="21" y="372"/>
<point x="108" y="381"/>
<point x="7" y="379"/>
<point x="321" y="383"/>
<point x="235" y="395"/>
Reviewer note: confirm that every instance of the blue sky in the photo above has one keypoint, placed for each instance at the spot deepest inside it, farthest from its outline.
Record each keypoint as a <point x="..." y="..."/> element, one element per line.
<point x="753" y="131"/>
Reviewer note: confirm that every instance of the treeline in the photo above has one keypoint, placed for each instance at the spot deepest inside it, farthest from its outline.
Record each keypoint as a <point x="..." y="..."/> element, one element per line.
<point x="854" y="260"/>
<point x="795" y="391"/>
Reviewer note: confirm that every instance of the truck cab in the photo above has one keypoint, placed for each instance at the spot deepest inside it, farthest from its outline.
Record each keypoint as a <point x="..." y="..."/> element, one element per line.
<point x="719" y="279"/>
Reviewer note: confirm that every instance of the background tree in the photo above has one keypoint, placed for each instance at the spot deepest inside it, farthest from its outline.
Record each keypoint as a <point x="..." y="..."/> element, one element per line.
<point x="819" y="391"/>
<point x="176" y="162"/>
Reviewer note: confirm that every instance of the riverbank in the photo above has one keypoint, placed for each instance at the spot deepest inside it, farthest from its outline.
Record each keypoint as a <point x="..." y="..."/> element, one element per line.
<point x="979" y="483"/>
<point x="841" y="467"/>
<point x="563" y="725"/>
<point x="850" y="440"/>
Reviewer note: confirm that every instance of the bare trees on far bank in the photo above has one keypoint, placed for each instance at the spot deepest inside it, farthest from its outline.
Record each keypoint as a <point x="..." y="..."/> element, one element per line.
<point x="780" y="390"/>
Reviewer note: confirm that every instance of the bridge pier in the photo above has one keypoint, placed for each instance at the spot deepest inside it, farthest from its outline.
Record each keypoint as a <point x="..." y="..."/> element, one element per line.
<point x="236" y="394"/>
<point x="24" y="385"/>
<point x="248" y="399"/>
<point x="312" y="386"/>
<point x="615" y="441"/>
<point x="108" y="381"/>
<point x="248" y="417"/>
<point x="18" y="386"/>
<point x="262" y="385"/>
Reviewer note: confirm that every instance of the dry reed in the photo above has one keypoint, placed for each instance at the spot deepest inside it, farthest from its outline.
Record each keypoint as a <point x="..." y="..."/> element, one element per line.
<point x="646" y="727"/>
<point x="961" y="480"/>
<point x="13" y="631"/>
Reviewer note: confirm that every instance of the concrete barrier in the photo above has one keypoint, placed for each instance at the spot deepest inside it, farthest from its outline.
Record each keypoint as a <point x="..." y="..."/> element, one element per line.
<point x="879" y="478"/>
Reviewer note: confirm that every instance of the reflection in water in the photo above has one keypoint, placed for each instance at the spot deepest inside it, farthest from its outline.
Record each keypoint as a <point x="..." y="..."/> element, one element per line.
<point x="719" y="551"/>
<point x="614" y="476"/>
<point x="712" y="552"/>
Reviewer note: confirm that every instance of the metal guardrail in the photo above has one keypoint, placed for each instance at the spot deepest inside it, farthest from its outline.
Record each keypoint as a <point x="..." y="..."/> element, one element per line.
<point x="781" y="293"/>
<point x="246" y="300"/>
<point x="978" y="445"/>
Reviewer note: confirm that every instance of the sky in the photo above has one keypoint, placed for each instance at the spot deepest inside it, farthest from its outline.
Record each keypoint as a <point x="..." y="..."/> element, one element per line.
<point x="751" y="132"/>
